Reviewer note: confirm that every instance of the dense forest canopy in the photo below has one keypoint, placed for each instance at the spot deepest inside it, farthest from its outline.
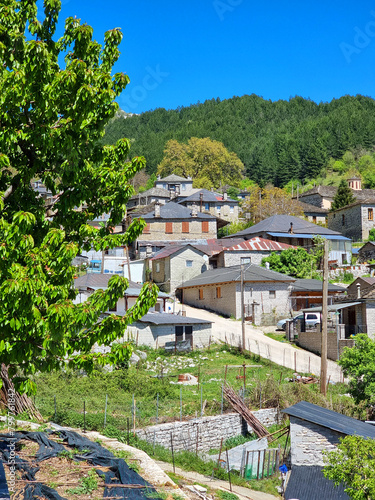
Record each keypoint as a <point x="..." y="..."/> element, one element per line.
<point x="276" y="141"/>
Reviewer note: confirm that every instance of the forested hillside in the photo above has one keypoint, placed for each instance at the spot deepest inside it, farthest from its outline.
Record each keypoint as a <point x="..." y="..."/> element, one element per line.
<point x="276" y="141"/>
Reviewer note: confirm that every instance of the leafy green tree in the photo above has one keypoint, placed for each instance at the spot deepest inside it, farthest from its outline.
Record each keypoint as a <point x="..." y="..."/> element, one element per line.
<point x="358" y="363"/>
<point x="51" y="120"/>
<point x="295" y="262"/>
<point x="343" y="197"/>
<point x="208" y="162"/>
<point x="353" y="465"/>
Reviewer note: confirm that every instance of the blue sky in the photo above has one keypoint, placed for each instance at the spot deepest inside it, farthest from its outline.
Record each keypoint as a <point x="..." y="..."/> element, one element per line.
<point x="177" y="53"/>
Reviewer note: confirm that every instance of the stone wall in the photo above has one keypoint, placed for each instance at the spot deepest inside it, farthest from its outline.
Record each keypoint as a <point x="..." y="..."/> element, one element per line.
<point x="204" y="434"/>
<point x="308" y="441"/>
<point x="358" y="270"/>
<point x="312" y="341"/>
<point x="157" y="230"/>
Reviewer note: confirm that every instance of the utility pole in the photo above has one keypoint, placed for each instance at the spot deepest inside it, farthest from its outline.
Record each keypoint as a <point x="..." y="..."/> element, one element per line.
<point x="243" y="309"/>
<point x="323" y="359"/>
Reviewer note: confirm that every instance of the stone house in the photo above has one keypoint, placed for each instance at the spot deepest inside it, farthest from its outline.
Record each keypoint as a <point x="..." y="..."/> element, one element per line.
<point x="319" y="196"/>
<point x="216" y="204"/>
<point x="355" y="220"/>
<point x="295" y="231"/>
<point x="175" y="184"/>
<point x="89" y="283"/>
<point x="152" y="195"/>
<point x="360" y="286"/>
<point x="246" y="251"/>
<point x="176" y="264"/>
<point x="314" y="430"/>
<point x="367" y="252"/>
<point x="266" y="293"/>
<point x="314" y="214"/>
<point x="155" y="329"/>
<point x="174" y="222"/>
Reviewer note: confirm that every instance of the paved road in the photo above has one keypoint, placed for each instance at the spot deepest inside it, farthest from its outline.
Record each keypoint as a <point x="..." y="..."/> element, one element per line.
<point x="229" y="330"/>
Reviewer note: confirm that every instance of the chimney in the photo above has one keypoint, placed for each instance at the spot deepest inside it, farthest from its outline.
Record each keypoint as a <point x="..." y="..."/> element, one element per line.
<point x="291" y="228"/>
<point x="158" y="177"/>
<point x="225" y="196"/>
<point x="157" y="210"/>
<point x="358" y="291"/>
<point x="194" y="211"/>
<point x="212" y="190"/>
<point x="267" y="265"/>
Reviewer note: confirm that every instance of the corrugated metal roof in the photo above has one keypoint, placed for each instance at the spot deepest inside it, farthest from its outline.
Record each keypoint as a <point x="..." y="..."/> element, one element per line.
<point x="308" y="483"/>
<point x="171" y="319"/>
<point x="311" y="235"/>
<point x="252" y="273"/>
<point x="259" y="244"/>
<point x="330" y="419"/>
<point x="332" y="307"/>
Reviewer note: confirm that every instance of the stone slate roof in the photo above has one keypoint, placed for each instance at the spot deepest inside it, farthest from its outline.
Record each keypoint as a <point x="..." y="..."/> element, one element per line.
<point x="171" y="319"/>
<point x="308" y="483"/>
<point x="252" y="273"/>
<point x="281" y="224"/>
<point x="172" y="249"/>
<point x="154" y="191"/>
<point x="97" y="280"/>
<point x="208" y="197"/>
<point x="307" y="208"/>
<point x="312" y="285"/>
<point x="360" y="201"/>
<point x="326" y="191"/>
<point x="175" y="211"/>
<point x="173" y="178"/>
<point x="332" y="420"/>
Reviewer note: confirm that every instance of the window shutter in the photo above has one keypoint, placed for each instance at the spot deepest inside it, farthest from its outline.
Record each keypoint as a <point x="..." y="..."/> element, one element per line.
<point x="169" y="227"/>
<point x="205" y="226"/>
<point x="185" y="227"/>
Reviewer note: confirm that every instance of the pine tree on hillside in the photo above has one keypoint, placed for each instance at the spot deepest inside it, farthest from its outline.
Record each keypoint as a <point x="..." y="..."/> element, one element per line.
<point x="344" y="196"/>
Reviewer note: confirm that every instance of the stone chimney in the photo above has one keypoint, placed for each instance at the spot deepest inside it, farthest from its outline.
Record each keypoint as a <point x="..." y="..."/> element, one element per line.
<point x="225" y="196"/>
<point x="358" y="291"/>
<point x="290" y="231"/>
<point x="157" y="210"/>
<point x="194" y="211"/>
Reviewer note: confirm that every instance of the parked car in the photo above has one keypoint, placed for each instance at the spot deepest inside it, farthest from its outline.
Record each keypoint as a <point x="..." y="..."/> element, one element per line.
<point x="311" y="319"/>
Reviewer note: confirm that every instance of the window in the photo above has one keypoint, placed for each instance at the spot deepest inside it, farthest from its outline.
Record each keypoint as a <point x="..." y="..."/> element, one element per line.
<point x="189" y="263"/>
<point x="185" y="227"/>
<point x="314" y="219"/>
<point x="343" y="220"/>
<point x="201" y="294"/>
<point x="272" y="294"/>
<point x="370" y="214"/>
<point x="157" y="267"/>
<point x="169" y="228"/>
<point x="300" y="242"/>
<point x="165" y="186"/>
<point x="245" y="260"/>
<point x="147" y="229"/>
<point x="218" y="209"/>
<point x="218" y="292"/>
<point x="205" y="228"/>
<point x="231" y="209"/>
<point x="207" y="206"/>
<point x="183" y="187"/>
<point x="157" y="307"/>
<point x="184" y="333"/>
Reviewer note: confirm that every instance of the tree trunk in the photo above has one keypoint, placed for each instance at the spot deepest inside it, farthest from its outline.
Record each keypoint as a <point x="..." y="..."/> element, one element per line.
<point x="22" y="403"/>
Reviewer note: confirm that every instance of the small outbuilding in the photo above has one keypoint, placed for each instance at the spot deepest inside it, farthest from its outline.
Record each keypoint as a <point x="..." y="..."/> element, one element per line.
<point x="314" y="430"/>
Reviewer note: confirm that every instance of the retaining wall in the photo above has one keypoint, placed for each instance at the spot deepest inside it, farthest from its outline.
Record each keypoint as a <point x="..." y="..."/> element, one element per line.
<point x="205" y="433"/>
